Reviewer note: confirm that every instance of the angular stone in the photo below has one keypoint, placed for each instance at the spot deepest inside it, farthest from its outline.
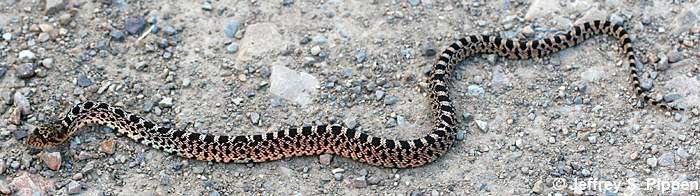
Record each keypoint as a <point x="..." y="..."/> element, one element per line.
<point x="53" y="6"/>
<point x="74" y="187"/>
<point x="26" y="56"/>
<point x="540" y="8"/>
<point x="325" y="159"/>
<point x="107" y="146"/>
<point x="134" y="25"/>
<point x="231" y="28"/>
<point x="359" y="182"/>
<point x="26" y="70"/>
<point x="29" y="184"/>
<point x="52" y="160"/>
<point x="260" y="38"/>
<point x="292" y="85"/>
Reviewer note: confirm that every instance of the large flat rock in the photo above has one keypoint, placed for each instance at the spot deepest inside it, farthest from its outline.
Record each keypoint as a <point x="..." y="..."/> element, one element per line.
<point x="260" y="39"/>
<point x="291" y="85"/>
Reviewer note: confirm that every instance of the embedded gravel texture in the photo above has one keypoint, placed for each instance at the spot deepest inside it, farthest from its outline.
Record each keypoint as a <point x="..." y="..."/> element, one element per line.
<point x="245" y="67"/>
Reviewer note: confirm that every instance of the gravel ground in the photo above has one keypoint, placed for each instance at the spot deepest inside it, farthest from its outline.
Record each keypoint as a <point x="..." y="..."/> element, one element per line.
<point x="255" y="66"/>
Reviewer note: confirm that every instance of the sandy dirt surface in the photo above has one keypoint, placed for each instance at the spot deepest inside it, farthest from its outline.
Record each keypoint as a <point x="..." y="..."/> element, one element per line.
<point x="539" y="126"/>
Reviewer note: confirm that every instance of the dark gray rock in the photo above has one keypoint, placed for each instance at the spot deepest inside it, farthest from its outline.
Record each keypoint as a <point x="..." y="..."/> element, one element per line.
<point x="74" y="187"/>
<point x="26" y="70"/>
<point x="20" y="134"/>
<point x="102" y="45"/>
<point x="3" y="70"/>
<point x="135" y="25"/>
<point x="170" y="30"/>
<point x="84" y="81"/>
<point x="391" y="100"/>
<point x="672" y="97"/>
<point x="429" y="48"/>
<point x="117" y="35"/>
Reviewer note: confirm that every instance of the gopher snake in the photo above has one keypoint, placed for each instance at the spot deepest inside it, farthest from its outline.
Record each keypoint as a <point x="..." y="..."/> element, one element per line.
<point x="337" y="139"/>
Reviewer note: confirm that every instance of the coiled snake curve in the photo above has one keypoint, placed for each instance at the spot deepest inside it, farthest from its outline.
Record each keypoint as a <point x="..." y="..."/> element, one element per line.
<point x="338" y="139"/>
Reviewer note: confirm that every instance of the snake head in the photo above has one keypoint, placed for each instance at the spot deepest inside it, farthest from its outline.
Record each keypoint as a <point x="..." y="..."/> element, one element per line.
<point x="47" y="135"/>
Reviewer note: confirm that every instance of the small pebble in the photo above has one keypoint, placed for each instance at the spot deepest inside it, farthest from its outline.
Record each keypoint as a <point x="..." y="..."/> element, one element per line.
<point x="166" y="102"/>
<point x="482" y="125"/>
<point x="84" y="81"/>
<point x="43" y="37"/>
<point x="528" y="31"/>
<point x="134" y="25"/>
<point x="666" y="160"/>
<point x="475" y="90"/>
<point x="309" y="60"/>
<point x="26" y="56"/>
<point x="287" y="2"/>
<point x="107" y="146"/>
<point x="232" y="48"/>
<point x="170" y="30"/>
<point x="26" y="70"/>
<point x="206" y="6"/>
<point x="164" y="178"/>
<point x="391" y="100"/>
<point x="586" y="173"/>
<point x="7" y="36"/>
<point x="3" y="70"/>
<point x="675" y="56"/>
<point x="74" y="187"/>
<point x="406" y="53"/>
<point x="360" y="56"/>
<point x="578" y="100"/>
<point x="102" y="45"/>
<point x="663" y="63"/>
<point x="255" y="118"/>
<point x="147" y="106"/>
<point x="359" y="182"/>
<point x="428" y="47"/>
<point x="52" y="160"/>
<point x="65" y="18"/>
<point x="320" y="39"/>
<point x="325" y="159"/>
<point x="20" y="134"/>
<point x="315" y="50"/>
<point x="647" y="84"/>
<point x="338" y="176"/>
<point x="351" y="123"/>
<point x="634" y="156"/>
<point x="379" y="94"/>
<point x="678" y="117"/>
<point x="537" y="187"/>
<point x="197" y="170"/>
<point x="460" y="135"/>
<point x="231" y="28"/>
<point x="652" y="161"/>
<point x="467" y="116"/>
<point x="681" y="152"/>
<point x="672" y="97"/>
<point x="117" y="35"/>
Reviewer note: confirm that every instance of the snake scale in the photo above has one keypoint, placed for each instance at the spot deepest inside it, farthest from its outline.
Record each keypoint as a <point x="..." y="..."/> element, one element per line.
<point x="335" y="138"/>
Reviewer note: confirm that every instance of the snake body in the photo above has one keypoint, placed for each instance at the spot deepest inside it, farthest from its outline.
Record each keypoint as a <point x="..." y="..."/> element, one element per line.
<point x="335" y="138"/>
